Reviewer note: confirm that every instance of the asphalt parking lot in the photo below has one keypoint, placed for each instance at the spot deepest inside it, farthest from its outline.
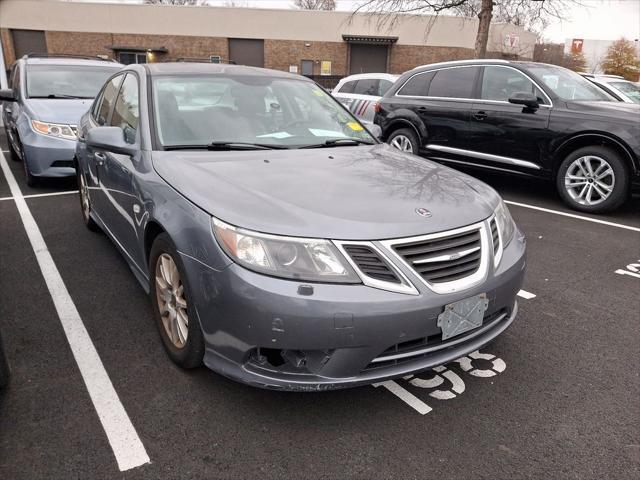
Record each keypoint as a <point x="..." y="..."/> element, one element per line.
<point x="556" y="396"/>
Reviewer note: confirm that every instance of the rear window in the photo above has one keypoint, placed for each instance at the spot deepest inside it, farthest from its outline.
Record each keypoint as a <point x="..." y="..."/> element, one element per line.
<point x="348" y="87"/>
<point x="453" y="82"/>
<point x="418" y="85"/>
<point x="367" y="86"/>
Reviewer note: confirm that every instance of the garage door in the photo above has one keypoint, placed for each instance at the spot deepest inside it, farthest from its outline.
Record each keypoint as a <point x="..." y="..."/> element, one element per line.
<point x="28" y="41"/>
<point x="368" y="58"/>
<point x="245" y="51"/>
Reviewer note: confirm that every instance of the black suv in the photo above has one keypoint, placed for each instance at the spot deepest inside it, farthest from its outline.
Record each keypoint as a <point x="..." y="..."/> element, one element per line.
<point x="521" y="117"/>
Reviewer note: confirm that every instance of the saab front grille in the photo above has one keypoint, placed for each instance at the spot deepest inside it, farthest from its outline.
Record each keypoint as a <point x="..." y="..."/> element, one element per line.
<point x="370" y="263"/>
<point x="494" y="235"/>
<point x="444" y="259"/>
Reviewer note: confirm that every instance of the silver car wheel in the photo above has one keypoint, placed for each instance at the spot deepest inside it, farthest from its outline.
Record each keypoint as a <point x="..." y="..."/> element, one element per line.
<point x="402" y="143"/>
<point x="84" y="197"/>
<point x="171" y="302"/>
<point x="589" y="180"/>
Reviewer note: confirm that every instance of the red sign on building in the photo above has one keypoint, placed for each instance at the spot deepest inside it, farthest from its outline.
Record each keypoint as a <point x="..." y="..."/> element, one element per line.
<point x="576" y="45"/>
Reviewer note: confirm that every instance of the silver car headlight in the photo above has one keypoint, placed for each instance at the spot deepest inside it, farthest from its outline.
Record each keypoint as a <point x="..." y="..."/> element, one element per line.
<point x="305" y="259"/>
<point x="54" y="129"/>
<point x="506" y="225"/>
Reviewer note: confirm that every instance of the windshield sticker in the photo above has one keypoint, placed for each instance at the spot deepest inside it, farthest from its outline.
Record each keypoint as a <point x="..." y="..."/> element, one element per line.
<point x="356" y="127"/>
<point x="326" y="133"/>
<point x="275" y="135"/>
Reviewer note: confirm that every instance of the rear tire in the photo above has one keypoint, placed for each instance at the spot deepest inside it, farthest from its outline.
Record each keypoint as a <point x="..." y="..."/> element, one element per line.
<point x="593" y="179"/>
<point x="405" y="140"/>
<point x="175" y="316"/>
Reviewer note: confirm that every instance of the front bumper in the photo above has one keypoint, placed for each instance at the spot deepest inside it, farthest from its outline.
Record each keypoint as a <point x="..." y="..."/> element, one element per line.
<point x="47" y="156"/>
<point x="269" y="333"/>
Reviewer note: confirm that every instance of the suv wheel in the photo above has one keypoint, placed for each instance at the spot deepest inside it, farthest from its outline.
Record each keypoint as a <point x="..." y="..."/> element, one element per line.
<point x="176" y="320"/>
<point x="593" y="179"/>
<point x="13" y="151"/>
<point x="405" y="140"/>
<point x="32" y="180"/>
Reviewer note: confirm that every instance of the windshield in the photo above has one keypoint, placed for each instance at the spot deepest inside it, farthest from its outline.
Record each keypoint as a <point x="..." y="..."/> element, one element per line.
<point x="568" y="85"/>
<point x="274" y="112"/>
<point x="631" y="90"/>
<point x="66" y="81"/>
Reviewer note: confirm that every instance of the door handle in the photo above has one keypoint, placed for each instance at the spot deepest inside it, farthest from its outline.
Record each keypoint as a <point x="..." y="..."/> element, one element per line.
<point x="480" y="115"/>
<point x="100" y="158"/>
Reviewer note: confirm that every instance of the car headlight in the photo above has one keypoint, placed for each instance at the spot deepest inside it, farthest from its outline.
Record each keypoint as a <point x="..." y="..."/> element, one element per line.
<point x="506" y="225"/>
<point x="54" y="129"/>
<point x="305" y="259"/>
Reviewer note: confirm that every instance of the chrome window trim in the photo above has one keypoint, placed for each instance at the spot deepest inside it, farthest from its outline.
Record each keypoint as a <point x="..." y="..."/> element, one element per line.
<point x="405" y="286"/>
<point x="484" y="156"/>
<point x="476" y="278"/>
<point x="464" y="99"/>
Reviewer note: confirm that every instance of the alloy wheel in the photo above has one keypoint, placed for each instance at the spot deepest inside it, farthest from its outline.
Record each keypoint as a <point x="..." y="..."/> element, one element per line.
<point x="171" y="301"/>
<point x="402" y="143"/>
<point x="589" y="180"/>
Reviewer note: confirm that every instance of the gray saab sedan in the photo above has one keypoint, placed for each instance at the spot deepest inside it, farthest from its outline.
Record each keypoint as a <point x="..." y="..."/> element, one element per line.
<point x="280" y="242"/>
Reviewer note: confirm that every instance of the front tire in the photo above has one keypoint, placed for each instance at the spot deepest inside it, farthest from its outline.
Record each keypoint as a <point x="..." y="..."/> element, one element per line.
<point x="85" y="202"/>
<point x="177" y="322"/>
<point x="593" y="179"/>
<point x="405" y="140"/>
<point x="32" y="180"/>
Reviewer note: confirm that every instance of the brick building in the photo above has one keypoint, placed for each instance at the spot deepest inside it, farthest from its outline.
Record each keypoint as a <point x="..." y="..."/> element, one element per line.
<point x="315" y="43"/>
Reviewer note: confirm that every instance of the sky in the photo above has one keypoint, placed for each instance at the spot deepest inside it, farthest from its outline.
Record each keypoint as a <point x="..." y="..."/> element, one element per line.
<point x="594" y="19"/>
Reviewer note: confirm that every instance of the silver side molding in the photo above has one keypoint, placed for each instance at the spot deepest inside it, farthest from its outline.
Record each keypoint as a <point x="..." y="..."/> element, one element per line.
<point x="484" y="156"/>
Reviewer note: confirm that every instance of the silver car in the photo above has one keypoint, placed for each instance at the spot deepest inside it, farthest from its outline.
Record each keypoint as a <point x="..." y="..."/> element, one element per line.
<point x="360" y="93"/>
<point x="281" y="244"/>
<point x="616" y="86"/>
<point x="48" y="96"/>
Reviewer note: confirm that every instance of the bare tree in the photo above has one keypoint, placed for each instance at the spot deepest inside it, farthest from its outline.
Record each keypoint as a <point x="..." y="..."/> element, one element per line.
<point x="526" y="13"/>
<point x="621" y="60"/>
<point x="315" y="4"/>
<point x="176" y="2"/>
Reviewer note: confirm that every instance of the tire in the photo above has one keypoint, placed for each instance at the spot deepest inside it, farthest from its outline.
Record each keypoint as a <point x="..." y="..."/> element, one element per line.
<point x="593" y="179"/>
<point x="4" y="366"/>
<point x="185" y="352"/>
<point x="85" y="202"/>
<point x="405" y="140"/>
<point x="32" y="180"/>
<point x="12" y="152"/>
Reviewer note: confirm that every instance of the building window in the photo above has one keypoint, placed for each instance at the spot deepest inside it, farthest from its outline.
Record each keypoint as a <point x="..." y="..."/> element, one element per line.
<point x="127" y="58"/>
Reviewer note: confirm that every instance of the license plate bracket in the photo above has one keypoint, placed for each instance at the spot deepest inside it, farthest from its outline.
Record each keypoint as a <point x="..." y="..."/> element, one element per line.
<point x="464" y="315"/>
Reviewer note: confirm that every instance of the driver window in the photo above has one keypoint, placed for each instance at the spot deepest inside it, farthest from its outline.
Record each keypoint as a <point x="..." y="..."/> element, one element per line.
<point x="108" y="99"/>
<point x="499" y="83"/>
<point x="126" y="114"/>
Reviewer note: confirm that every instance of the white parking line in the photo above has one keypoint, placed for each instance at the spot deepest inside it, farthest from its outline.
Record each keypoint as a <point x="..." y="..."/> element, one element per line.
<point x="572" y="215"/>
<point x="406" y="396"/>
<point x="123" y="438"/>
<point x="526" y="295"/>
<point x="36" y="195"/>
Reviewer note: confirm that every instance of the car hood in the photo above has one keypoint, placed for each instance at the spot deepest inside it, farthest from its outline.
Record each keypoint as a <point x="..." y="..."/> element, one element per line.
<point x="618" y="110"/>
<point x="348" y="193"/>
<point x="59" y="110"/>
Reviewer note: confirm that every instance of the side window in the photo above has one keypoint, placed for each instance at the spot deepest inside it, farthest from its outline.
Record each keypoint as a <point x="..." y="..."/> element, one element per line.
<point x="453" y="82"/>
<point x="499" y="83"/>
<point x="126" y="111"/>
<point x="418" y="85"/>
<point x="348" y="87"/>
<point x="384" y="86"/>
<point x="367" y="86"/>
<point x="108" y="100"/>
<point x="15" y="80"/>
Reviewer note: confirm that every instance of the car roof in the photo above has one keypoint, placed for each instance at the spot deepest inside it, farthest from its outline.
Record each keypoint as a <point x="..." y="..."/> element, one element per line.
<point x="359" y="76"/>
<point x="481" y="61"/>
<point x="70" y="61"/>
<point x="186" y="68"/>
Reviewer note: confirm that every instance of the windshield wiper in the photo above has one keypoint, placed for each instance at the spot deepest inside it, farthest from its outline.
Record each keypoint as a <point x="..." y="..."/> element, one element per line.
<point x="337" y="142"/>
<point x="60" y="95"/>
<point x="226" y="146"/>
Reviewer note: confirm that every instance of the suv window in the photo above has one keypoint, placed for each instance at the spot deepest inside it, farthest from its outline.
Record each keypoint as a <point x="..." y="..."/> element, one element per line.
<point x="500" y="83"/>
<point x="453" y="82"/>
<point x="367" y="86"/>
<point x="108" y="99"/>
<point x="348" y="87"/>
<point x="15" y="79"/>
<point x="418" y="85"/>
<point x="126" y="112"/>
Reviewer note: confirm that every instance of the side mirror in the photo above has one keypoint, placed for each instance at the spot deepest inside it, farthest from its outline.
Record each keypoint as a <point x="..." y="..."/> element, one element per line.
<point x="529" y="100"/>
<point x="7" y="95"/>
<point x="375" y="130"/>
<point x="110" y="139"/>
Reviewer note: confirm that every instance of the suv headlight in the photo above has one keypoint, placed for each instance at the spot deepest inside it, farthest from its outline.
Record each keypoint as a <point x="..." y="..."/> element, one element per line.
<point x="505" y="223"/>
<point x="54" y="129"/>
<point x="305" y="259"/>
